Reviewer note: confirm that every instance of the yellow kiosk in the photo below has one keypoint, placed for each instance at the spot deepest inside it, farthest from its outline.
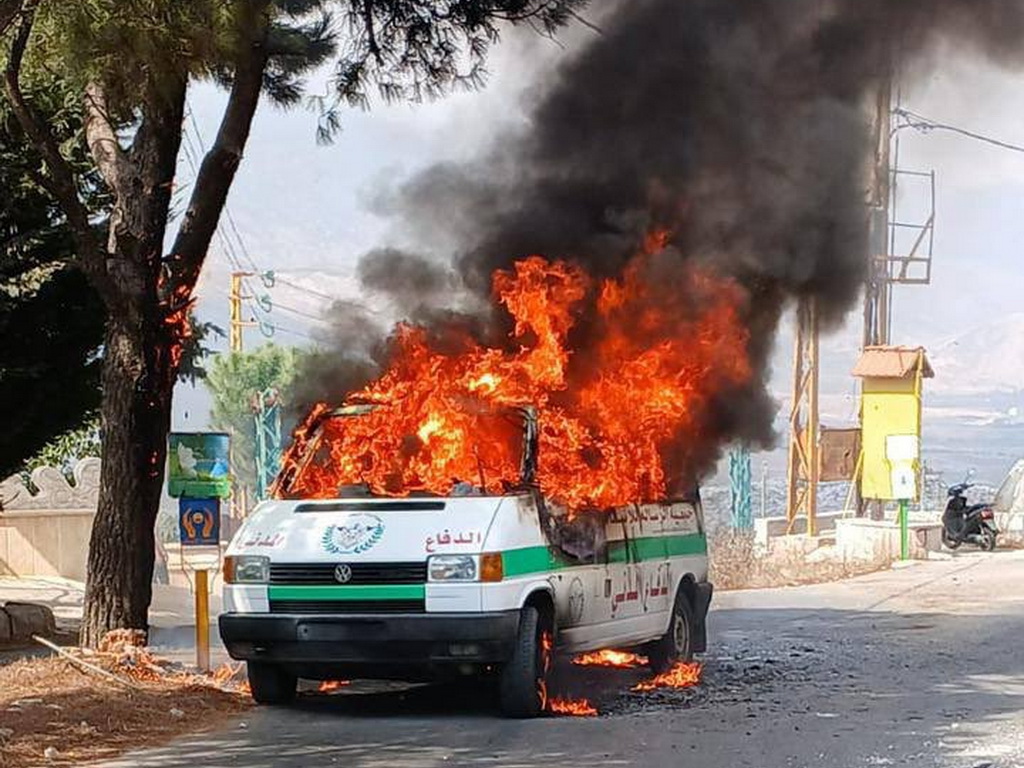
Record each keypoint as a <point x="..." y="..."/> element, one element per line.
<point x="891" y="379"/>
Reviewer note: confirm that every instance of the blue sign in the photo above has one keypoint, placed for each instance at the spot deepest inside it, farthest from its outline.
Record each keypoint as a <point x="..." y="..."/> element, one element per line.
<point x="199" y="522"/>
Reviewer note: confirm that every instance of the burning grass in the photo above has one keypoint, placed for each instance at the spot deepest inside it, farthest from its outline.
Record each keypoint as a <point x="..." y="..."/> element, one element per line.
<point x="55" y="714"/>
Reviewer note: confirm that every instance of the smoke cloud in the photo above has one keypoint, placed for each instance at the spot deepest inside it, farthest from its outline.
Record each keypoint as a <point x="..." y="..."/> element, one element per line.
<point x="741" y="127"/>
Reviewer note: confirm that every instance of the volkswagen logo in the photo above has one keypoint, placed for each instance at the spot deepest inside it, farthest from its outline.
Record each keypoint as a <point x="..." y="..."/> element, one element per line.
<point x="343" y="573"/>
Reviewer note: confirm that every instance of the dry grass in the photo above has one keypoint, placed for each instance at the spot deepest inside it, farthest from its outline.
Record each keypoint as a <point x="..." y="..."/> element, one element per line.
<point x="48" y="704"/>
<point x="736" y="562"/>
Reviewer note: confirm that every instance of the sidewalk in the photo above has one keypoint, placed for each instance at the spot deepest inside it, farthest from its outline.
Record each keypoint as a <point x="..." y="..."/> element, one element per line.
<point x="171" y="614"/>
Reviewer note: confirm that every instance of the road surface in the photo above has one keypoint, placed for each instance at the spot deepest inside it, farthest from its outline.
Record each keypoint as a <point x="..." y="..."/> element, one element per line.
<point x="920" y="666"/>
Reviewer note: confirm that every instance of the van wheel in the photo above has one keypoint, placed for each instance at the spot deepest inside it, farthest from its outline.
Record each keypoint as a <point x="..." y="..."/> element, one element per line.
<point x="677" y="643"/>
<point x="270" y="683"/>
<point x="523" y="685"/>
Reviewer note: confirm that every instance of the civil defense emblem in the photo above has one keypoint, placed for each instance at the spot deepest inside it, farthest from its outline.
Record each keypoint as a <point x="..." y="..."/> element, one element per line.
<point x="356" y="535"/>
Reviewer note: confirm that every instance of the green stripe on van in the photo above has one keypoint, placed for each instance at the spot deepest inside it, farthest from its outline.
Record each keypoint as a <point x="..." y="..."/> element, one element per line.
<point x="520" y="562"/>
<point x="351" y="592"/>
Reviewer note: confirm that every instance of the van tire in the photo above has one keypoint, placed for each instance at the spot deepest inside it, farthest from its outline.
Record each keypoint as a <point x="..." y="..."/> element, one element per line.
<point x="271" y="683"/>
<point x="677" y="643"/>
<point x="522" y="686"/>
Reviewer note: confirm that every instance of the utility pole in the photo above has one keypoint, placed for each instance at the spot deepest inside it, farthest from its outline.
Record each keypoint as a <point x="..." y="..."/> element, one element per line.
<point x="878" y="291"/>
<point x="236" y="297"/>
<point x="239" y="500"/>
<point x="804" y="460"/>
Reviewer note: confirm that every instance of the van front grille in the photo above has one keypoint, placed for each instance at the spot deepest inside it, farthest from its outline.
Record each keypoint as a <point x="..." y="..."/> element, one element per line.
<point x="344" y="607"/>
<point x="362" y="573"/>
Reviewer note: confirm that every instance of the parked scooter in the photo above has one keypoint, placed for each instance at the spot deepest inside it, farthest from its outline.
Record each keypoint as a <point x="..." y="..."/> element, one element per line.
<point x="961" y="523"/>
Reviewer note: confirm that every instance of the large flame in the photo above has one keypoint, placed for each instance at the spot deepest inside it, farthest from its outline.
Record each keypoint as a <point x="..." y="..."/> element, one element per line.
<point x="619" y="371"/>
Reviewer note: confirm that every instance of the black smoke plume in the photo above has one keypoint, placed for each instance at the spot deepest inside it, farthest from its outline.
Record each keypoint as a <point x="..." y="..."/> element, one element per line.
<point x="742" y="126"/>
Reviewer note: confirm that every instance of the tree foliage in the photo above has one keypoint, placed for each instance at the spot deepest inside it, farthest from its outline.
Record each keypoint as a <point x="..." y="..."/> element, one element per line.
<point x="51" y="318"/>
<point x="233" y="380"/>
<point x="129" y="64"/>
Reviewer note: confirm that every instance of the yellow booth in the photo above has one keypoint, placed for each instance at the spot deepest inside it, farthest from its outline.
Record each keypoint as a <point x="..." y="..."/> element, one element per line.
<point x="891" y="421"/>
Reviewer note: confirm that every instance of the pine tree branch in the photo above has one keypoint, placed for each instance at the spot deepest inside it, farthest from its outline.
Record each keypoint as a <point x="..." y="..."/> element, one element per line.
<point x="217" y="171"/>
<point x="59" y="179"/>
<point x="9" y="10"/>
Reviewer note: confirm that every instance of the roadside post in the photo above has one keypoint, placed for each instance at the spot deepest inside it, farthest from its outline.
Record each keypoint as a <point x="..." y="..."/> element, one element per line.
<point x="198" y="477"/>
<point x="903" y="452"/>
<point x="904" y="530"/>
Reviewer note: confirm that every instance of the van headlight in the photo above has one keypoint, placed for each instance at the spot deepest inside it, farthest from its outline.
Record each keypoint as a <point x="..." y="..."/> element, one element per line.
<point x="246" y="569"/>
<point x="452" y="568"/>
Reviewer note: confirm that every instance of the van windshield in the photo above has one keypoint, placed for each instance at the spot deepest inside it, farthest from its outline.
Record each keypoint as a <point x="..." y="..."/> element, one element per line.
<point x="381" y="450"/>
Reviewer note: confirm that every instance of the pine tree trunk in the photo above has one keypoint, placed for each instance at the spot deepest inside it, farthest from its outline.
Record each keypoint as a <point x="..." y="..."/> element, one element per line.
<point x="137" y="384"/>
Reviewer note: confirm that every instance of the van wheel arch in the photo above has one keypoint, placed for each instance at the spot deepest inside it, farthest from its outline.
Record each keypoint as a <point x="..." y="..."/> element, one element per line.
<point x="544" y="602"/>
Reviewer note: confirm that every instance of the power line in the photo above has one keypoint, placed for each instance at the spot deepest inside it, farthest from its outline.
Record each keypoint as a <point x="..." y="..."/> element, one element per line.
<point x="299" y="312"/>
<point x="921" y="123"/>
<point x="291" y="332"/>
<point x="310" y="291"/>
<point x="227" y="211"/>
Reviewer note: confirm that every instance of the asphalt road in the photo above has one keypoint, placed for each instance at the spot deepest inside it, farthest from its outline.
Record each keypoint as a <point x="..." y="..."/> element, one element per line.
<point x="920" y="666"/>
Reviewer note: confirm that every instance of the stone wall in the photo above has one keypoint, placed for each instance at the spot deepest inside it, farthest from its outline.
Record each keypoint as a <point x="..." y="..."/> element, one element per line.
<point x="46" y="532"/>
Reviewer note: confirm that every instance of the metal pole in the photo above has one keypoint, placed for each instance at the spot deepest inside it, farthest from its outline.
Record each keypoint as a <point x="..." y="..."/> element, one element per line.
<point x="764" y="489"/>
<point x="203" y="620"/>
<point x="904" y="530"/>
<point x="813" y="418"/>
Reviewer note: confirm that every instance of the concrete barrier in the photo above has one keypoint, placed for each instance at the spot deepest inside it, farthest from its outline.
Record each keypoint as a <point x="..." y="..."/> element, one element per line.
<point x="766" y="528"/>
<point x="862" y="539"/>
<point x="27" y="619"/>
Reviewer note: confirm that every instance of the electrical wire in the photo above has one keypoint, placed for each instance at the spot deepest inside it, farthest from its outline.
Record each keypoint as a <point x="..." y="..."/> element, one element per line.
<point x="299" y="312"/>
<point x="310" y="291"/>
<point x="227" y="211"/>
<point x="924" y="124"/>
<point x="292" y="332"/>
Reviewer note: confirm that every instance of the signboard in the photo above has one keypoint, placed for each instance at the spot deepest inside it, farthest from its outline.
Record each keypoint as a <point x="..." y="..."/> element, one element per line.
<point x="838" y="454"/>
<point x="902" y="448"/>
<point x="199" y="522"/>
<point x="198" y="465"/>
<point x="904" y="482"/>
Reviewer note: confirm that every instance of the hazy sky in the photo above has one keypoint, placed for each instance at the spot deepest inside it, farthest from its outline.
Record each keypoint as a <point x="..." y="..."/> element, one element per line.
<point x="302" y="209"/>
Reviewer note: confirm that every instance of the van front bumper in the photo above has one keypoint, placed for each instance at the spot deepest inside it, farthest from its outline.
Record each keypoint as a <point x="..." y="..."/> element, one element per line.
<point x="369" y="640"/>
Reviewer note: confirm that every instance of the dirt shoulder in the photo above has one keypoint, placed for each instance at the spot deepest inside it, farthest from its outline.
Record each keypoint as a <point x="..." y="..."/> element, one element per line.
<point x="52" y="713"/>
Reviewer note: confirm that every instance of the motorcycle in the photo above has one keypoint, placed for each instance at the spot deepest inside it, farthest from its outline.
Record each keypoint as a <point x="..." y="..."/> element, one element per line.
<point x="973" y="523"/>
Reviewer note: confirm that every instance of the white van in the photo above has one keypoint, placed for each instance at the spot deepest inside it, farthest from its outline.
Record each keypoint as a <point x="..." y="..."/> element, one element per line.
<point x="419" y="588"/>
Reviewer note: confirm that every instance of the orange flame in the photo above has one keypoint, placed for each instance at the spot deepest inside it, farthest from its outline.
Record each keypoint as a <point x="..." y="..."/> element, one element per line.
<point x="572" y="707"/>
<point x="683" y="675"/>
<point x="329" y="686"/>
<point x="609" y="658"/>
<point x="176" y="309"/>
<point x="618" y="409"/>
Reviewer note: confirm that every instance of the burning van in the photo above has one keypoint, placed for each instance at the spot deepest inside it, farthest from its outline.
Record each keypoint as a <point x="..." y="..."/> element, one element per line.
<point x="336" y="578"/>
